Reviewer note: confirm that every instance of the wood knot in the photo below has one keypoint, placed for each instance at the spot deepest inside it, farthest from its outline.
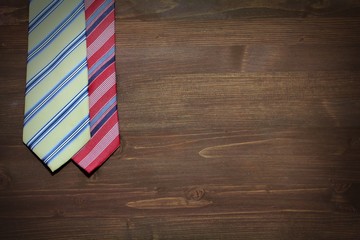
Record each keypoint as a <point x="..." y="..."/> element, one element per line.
<point x="58" y="213"/>
<point x="79" y="201"/>
<point x="195" y="194"/>
<point x="340" y="188"/>
<point x="340" y="197"/>
<point x="94" y="177"/>
<point x="4" y="179"/>
<point x="354" y="142"/>
<point x="120" y="149"/>
<point x="319" y="4"/>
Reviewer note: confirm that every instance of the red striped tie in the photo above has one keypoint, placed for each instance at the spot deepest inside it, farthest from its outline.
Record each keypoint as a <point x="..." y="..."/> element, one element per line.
<point x="100" y="31"/>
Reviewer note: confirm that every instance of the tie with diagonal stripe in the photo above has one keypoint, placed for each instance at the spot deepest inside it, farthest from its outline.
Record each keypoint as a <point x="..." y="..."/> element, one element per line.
<point x="56" y="119"/>
<point x="100" y="31"/>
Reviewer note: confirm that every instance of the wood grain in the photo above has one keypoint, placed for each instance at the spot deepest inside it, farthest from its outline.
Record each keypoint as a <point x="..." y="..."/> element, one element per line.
<point x="239" y="120"/>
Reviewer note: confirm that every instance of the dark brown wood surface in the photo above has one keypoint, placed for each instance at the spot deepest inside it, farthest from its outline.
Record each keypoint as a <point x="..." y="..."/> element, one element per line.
<point x="239" y="120"/>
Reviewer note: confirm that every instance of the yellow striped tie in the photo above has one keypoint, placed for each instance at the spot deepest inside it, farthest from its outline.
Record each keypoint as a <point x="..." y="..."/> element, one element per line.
<point x="56" y="119"/>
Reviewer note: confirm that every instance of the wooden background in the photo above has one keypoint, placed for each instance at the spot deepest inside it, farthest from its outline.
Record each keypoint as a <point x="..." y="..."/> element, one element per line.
<point x="239" y="120"/>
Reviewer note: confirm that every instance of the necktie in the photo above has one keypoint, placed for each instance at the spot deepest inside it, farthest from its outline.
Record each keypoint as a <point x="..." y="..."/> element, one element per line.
<point x="100" y="31"/>
<point x="56" y="119"/>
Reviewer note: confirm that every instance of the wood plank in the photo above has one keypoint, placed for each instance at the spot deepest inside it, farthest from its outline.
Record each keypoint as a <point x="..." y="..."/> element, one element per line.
<point x="195" y="101"/>
<point x="252" y="100"/>
<point x="250" y="58"/>
<point x="13" y="12"/>
<point x="286" y="31"/>
<point x="340" y="31"/>
<point x="249" y="226"/>
<point x="228" y="9"/>
<point x="16" y="12"/>
<point x="164" y="160"/>
<point x="127" y="201"/>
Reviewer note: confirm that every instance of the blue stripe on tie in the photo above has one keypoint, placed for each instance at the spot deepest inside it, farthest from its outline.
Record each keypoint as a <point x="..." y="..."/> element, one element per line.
<point x="101" y="18"/>
<point x="53" y="92"/>
<point x="98" y="11"/>
<point x="43" y="14"/>
<point x="52" y="36"/>
<point x="55" y="62"/>
<point x="101" y="60"/>
<point x="61" y="115"/>
<point x="102" y="111"/>
<point x="107" y="116"/>
<point x="73" y="134"/>
<point x="98" y="72"/>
